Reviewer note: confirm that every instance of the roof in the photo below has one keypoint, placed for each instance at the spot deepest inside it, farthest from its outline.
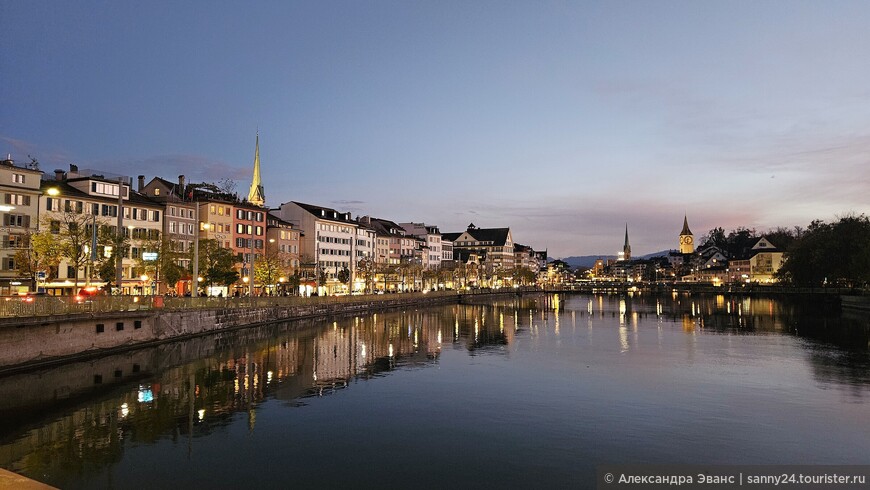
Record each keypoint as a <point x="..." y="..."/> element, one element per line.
<point x="686" y="230"/>
<point x="385" y="227"/>
<point x="325" y="213"/>
<point x="450" y="236"/>
<point x="273" y="219"/>
<point x="497" y="236"/>
<point x="68" y="191"/>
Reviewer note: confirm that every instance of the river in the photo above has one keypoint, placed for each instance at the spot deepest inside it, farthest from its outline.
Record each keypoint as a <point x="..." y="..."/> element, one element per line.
<point x="528" y="392"/>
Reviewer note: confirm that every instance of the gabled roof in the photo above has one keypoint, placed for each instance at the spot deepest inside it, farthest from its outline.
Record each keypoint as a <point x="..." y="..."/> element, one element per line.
<point x="492" y="236"/>
<point x="450" y="236"/>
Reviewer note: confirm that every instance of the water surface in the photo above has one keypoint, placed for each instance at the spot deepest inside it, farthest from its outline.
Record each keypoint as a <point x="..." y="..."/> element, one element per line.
<point x="531" y="392"/>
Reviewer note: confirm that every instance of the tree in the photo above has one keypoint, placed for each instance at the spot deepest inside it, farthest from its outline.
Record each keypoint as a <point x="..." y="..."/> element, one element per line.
<point x="716" y="237"/>
<point x="74" y="233"/>
<point x="836" y="253"/>
<point x="782" y="238"/>
<point x="120" y="245"/>
<point x="165" y="268"/>
<point x="366" y="270"/>
<point x="740" y="241"/>
<point x="344" y="276"/>
<point x="293" y="283"/>
<point x="268" y="269"/>
<point x="216" y="263"/>
<point x="40" y="252"/>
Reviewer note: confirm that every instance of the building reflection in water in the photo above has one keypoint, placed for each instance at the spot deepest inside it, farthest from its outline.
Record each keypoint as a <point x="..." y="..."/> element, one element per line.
<point x="77" y="418"/>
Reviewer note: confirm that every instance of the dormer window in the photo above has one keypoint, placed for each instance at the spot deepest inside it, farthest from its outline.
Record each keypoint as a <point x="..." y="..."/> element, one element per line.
<point x="104" y="188"/>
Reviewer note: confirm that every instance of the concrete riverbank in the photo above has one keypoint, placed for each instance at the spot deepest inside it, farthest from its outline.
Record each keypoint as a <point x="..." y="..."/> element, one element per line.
<point x="37" y="341"/>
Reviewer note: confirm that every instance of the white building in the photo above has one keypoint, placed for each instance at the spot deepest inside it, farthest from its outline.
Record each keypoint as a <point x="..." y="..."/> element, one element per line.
<point x="20" y="208"/>
<point x="329" y="241"/>
<point x="432" y="249"/>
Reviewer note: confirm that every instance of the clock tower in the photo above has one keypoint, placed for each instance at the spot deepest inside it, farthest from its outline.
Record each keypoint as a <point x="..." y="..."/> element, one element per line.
<point x="687" y="241"/>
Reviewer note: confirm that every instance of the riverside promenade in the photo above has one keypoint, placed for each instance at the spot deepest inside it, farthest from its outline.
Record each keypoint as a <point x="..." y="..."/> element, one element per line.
<point x="43" y="331"/>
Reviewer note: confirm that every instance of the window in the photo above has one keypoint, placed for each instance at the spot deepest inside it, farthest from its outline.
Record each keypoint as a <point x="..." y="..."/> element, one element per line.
<point x="157" y="191"/>
<point x="18" y="178"/>
<point x="16" y="220"/>
<point x="104" y="188"/>
<point x="16" y="241"/>
<point x="17" y="199"/>
<point x="9" y="263"/>
<point x="52" y="204"/>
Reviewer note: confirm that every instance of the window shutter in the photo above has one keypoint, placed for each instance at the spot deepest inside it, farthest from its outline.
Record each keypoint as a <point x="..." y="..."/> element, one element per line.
<point x="27" y="200"/>
<point x="27" y="221"/>
<point x="5" y="220"/>
<point x="8" y="198"/>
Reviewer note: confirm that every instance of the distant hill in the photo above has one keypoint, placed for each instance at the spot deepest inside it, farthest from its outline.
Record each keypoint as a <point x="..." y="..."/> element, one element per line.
<point x="589" y="260"/>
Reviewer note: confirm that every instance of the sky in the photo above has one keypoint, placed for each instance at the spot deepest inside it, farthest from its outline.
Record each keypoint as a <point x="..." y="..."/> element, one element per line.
<point x="564" y="121"/>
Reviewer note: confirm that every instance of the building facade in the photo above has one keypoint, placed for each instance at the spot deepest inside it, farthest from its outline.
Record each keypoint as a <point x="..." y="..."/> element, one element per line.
<point x="20" y="189"/>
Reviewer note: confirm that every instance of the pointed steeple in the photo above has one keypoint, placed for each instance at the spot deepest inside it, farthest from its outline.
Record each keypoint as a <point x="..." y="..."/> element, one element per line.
<point x="257" y="195"/>
<point x="626" y="249"/>
<point x="686" y="230"/>
<point x="687" y="241"/>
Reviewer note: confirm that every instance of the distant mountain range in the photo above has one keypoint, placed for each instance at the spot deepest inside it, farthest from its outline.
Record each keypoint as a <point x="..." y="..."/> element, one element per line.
<point x="589" y="260"/>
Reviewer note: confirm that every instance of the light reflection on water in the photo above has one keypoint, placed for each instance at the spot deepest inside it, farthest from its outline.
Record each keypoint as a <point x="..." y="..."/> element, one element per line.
<point x="538" y="390"/>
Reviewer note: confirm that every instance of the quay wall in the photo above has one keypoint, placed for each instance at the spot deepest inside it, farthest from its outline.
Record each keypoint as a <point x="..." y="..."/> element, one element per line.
<point x="32" y="342"/>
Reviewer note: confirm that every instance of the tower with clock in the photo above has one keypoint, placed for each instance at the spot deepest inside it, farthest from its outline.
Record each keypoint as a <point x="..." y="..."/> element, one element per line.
<point x="687" y="241"/>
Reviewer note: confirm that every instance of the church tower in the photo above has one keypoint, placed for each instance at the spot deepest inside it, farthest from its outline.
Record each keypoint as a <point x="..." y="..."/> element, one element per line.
<point x="257" y="195"/>
<point x="687" y="242"/>
<point x="626" y="249"/>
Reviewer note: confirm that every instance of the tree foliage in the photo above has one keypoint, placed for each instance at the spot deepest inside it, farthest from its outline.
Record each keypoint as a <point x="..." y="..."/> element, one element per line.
<point x="216" y="263"/>
<point x="41" y="252"/>
<point x="830" y="254"/>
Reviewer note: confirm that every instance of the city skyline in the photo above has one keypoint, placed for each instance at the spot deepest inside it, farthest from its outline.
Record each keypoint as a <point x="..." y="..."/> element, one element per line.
<point x="562" y="122"/>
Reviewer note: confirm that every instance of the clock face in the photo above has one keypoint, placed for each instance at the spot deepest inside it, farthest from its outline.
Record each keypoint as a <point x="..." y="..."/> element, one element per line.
<point x="688" y="239"/>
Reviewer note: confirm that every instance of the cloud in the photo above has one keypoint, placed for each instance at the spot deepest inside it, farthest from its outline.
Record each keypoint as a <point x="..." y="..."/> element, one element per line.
<point x="194" y="167"/>
<point x="21" y="150"/>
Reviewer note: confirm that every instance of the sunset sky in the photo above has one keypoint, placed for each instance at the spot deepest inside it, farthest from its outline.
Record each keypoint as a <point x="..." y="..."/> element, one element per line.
<point x="561" y="120"/>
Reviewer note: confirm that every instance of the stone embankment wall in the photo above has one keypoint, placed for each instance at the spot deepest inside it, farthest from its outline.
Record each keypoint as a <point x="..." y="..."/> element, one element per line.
<point x="26" y="343"/>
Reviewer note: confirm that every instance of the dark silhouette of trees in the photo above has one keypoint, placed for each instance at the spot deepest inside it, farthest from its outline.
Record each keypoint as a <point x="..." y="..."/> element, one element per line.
<point x="836" y="254"/>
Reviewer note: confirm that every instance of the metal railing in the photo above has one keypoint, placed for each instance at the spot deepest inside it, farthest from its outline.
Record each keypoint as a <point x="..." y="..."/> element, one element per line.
<point x="41" y="306"/>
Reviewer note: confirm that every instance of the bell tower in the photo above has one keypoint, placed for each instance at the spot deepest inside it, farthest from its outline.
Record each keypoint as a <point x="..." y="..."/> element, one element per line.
<point x="626" y="249"/>
<point x="687" y="241"/>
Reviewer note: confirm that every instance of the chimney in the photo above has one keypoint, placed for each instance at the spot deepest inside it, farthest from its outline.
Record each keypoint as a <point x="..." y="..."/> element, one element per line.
<point x="73" y="168"/>
<point x="58" y="175"/>
<point x="181" y="185"/>
<point x="141" y="183"/>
